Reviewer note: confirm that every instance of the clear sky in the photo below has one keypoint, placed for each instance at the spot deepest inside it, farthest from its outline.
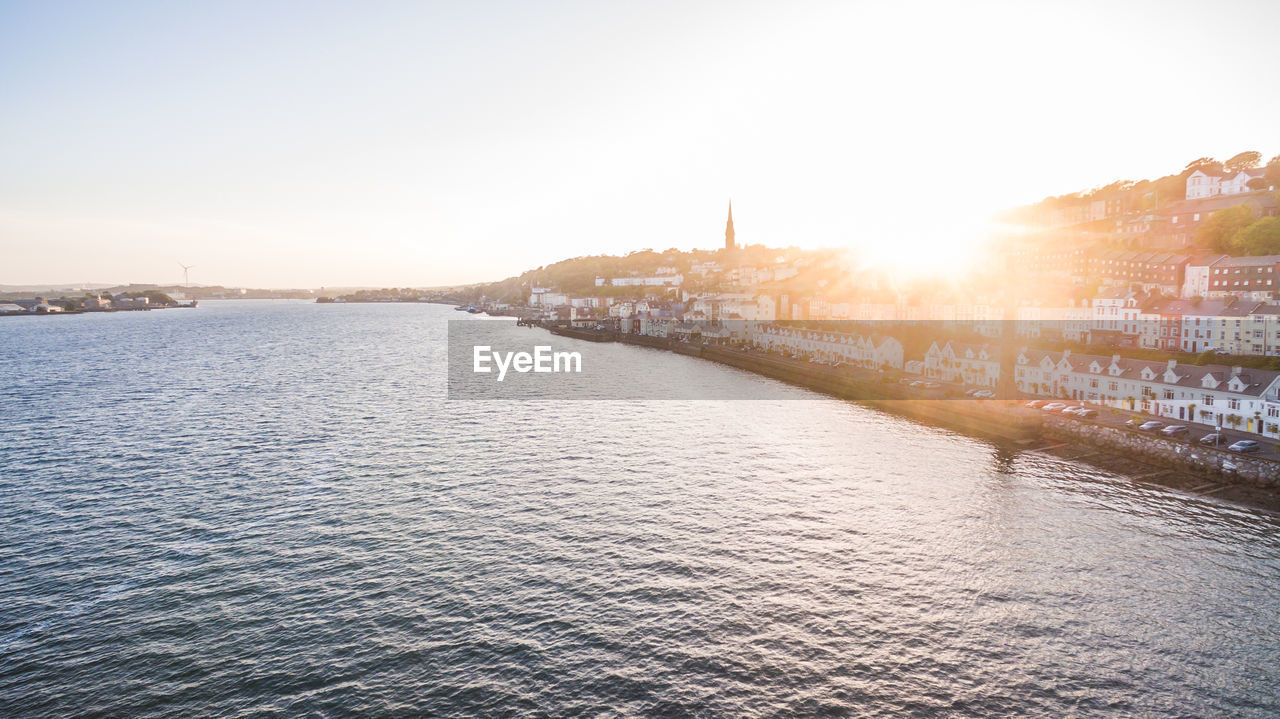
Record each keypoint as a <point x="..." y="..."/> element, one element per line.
<point x="415" y="143"/>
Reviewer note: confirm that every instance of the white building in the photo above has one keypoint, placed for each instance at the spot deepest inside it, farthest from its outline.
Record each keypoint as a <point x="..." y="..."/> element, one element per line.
<point x="1202" y="184"/>
<point x="1213" y="395"/>
<point x="1117" y="312"/>
<point x="962" y="363"/>
<point x="548" y="299"/>
<point x="871" y="351"/>
<point x="655" y="281"/>
<point x="1195" y="282"/>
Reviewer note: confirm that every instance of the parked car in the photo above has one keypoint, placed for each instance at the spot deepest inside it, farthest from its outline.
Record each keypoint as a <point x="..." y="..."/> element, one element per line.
<point x="1071" y="409"/>
<point x="1150" y="426"/>
<point x="1034" y="403"/>
<point x="931" y="385"/>
<point x="1174" y="430"/>
<point x="1245" y="445"/>
<point x="1212" y="438"/>
<point x="1132" y="422"/>
<point x="984" y="394"/>
<point x="1052" y="407"/>
<point x="1086" y="413"/>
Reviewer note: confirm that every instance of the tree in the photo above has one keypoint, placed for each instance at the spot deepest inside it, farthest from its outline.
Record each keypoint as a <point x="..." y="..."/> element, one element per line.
<point x="1218" y="232"/>
<point x="1243" y="161"/>
<point x="1258" y="183"/>
<point x="1208" y="164"/>
<point x="1260" y="238"/>
<point x="1273" y="172"/>
<point x="1168" y="189"/>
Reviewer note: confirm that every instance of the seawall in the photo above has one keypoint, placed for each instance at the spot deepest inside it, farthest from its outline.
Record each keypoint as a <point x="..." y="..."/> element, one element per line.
<point x="979" y="417"/>
<point x="864" y="386"/>
<point x="1230" y="467"/>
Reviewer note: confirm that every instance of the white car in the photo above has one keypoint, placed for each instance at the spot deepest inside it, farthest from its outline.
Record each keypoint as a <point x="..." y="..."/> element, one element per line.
<point x="1053" y="407"/>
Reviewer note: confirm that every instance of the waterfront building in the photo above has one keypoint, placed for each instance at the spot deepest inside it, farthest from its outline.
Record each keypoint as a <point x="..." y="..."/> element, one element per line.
<point x="962" y="363"/>
<point x="871" y="351"/>
<point x="1214" y="395"/>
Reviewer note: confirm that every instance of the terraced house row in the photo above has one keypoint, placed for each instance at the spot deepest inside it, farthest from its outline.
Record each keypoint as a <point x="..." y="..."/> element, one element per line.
<point x="1214" y="395"/>
<point x="873" y="351"/>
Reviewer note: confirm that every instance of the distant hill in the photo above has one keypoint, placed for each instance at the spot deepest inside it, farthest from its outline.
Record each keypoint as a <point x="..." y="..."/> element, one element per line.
<point x="63" y="287"/>
<point x="199" y="292"/>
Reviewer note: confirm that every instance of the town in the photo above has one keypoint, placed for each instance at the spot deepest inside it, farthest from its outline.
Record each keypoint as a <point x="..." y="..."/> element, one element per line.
<point x="1146" y="297"/>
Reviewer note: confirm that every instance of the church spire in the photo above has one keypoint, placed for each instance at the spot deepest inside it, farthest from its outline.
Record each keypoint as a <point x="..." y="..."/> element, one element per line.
<point x="728" y="229"/>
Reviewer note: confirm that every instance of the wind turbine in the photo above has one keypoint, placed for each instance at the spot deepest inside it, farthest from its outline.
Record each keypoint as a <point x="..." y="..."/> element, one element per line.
<point x="186" y="279"/>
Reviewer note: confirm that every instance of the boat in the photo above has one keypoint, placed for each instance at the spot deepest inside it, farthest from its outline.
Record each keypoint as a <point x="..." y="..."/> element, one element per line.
<point x="462" y="308"/>
<point x="474" y="310"/>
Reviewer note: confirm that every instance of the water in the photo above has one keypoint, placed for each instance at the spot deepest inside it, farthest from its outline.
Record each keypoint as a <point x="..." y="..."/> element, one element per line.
<point x="269" y="509"/>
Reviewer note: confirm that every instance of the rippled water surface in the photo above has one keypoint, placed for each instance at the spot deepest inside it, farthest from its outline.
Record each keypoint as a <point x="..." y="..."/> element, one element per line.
<point x="258" y="509"/>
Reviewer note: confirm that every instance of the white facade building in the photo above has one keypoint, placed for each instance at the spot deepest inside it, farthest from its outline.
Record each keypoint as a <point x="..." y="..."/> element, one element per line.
<point x="674" y="280"/>
<point x="1202" y="184"/>
<point x="871" y="351"/>
<point x="962" y="363"/>
<point x="1213" y="395"/>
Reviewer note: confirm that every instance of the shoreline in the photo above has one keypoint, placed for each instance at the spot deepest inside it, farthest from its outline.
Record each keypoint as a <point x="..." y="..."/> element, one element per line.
<point x="97" y="312"/>
<point x="1143" y="458"/>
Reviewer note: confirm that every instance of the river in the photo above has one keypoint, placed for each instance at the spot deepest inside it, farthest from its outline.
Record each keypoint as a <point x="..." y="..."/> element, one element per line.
<point x="272" y="509"/>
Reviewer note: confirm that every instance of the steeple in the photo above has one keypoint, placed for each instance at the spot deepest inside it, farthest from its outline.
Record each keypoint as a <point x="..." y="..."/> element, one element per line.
<point x="728" y="229"/>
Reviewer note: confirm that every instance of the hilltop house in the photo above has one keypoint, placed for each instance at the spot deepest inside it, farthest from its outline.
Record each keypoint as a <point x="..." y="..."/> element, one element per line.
<point x="1202" y="183"/>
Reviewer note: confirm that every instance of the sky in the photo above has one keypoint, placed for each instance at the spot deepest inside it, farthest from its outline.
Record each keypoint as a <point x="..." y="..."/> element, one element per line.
<point x="309" y="144"/>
